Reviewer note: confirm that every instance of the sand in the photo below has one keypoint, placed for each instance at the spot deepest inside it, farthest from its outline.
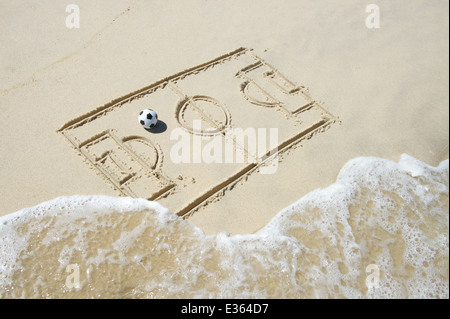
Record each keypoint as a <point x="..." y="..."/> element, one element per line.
<point x="368" y="92"/>
<point x="332" y="192"/>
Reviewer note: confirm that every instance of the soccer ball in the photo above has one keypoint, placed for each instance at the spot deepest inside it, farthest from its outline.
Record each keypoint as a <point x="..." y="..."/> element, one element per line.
<point x="148" y="118"/>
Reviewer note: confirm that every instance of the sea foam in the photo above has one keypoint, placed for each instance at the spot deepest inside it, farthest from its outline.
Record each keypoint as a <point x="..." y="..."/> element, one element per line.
<point x="387" y="217"/>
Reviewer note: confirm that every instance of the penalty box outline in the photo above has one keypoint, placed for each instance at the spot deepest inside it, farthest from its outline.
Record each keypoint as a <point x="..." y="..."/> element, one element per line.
<point x="274" y="75"/>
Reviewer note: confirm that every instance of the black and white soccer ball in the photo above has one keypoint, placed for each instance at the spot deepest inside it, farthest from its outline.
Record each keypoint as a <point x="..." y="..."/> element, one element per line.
<point x="148" y="118"/>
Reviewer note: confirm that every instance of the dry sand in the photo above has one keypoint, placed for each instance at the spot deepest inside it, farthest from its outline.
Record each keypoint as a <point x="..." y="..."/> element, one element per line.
<point x="69" y="98"/>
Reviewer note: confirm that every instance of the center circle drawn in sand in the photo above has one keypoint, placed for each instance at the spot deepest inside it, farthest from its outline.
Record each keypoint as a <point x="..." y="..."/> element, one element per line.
<point x="213" y="116"/>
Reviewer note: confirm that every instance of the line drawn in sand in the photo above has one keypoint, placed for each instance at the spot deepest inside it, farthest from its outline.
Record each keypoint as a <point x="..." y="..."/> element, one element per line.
<point x="236" y="90"/>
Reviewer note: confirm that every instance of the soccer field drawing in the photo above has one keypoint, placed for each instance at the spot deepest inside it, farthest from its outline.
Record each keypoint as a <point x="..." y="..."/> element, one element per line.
<point x="238" y="90"/>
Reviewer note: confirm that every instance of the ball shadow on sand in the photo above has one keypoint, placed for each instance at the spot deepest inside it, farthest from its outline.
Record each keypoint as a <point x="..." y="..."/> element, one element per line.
<point x="160" y="127"/>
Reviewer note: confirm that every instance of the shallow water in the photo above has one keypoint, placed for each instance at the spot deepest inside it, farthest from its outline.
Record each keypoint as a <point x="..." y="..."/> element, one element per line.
<point x="380" y="231"/>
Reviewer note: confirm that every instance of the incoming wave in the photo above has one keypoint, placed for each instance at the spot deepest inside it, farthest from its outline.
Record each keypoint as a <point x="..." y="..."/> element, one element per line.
<point x="380" y="231"/>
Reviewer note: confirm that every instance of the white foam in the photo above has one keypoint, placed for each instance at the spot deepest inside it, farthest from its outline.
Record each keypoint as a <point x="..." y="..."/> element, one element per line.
<point x="393" y="190"/>
<point x="66" y="210"/>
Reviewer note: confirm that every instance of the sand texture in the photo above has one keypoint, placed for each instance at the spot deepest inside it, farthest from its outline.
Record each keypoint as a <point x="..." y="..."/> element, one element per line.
<point x="333" y="88"/>
<point x="301" y="149"/>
